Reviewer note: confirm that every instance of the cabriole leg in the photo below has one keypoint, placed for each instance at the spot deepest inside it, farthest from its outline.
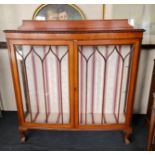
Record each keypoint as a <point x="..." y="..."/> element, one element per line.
<point x="23" y="137"/>
<point x="127" y="136"/>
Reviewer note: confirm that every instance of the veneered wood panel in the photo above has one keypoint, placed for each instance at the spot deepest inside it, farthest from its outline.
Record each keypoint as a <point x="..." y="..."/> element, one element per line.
<point x="74" y="34"/>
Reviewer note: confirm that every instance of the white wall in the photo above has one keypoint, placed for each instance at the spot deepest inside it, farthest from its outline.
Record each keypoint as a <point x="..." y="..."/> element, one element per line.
<point x="144" y="17"/>
<point x="12" y="16"/>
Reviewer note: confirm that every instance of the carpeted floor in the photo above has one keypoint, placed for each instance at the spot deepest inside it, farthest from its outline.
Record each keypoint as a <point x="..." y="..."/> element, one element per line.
<point x="65" y="140"/>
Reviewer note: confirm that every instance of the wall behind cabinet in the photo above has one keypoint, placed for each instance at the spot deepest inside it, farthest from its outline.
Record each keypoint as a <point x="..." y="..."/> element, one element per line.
<point x="12" y="16"/>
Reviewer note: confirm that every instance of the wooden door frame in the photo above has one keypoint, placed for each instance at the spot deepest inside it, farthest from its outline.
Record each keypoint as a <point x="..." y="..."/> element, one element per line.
<point x="131" y="87"/>
<point x="15" y="74"/>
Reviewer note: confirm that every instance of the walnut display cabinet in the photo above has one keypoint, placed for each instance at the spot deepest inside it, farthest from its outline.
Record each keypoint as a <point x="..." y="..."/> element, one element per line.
<point x="74" y="75"/>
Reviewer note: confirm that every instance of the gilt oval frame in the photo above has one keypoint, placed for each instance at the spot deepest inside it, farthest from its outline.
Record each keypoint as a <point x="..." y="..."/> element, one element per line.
<point x="42" y="6"/>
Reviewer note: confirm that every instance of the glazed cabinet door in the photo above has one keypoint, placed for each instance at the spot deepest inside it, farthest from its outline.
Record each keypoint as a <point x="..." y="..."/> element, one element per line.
<point x="44" y="71"/>
<point x="102" y="82"/>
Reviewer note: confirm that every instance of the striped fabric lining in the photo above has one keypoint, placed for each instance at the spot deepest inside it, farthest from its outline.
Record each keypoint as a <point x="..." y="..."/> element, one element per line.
<point x="115" y="115"/>
<point x="94" y="84"/>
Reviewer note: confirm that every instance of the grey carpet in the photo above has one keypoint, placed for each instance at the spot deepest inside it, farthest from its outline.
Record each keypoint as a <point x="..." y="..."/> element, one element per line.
<point x="70" y="140"/>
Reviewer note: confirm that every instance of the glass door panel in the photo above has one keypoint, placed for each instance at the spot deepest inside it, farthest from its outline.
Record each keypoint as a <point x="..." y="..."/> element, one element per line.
<point x="103" y="83"/>
<point x="44" y="82"/>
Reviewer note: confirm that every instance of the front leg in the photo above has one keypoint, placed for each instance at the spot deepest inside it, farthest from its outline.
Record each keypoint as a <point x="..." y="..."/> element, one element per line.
<point x="127" y="136"/>
<point x="22" y="132"/>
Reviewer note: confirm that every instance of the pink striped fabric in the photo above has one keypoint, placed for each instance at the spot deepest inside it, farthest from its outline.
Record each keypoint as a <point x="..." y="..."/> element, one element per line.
<point x="93" y="84"/>
<point x="86" y="104"/>
<point x="35" y="83"/>
<point x="81" y="87"/>
<point x="58" y="68"/>
<point x="46" y="82"/>
<point x="93" y="109"/>
<point x="117" y="69"/>
<point x="120" y="91"/>
<point x="104" y="85"/>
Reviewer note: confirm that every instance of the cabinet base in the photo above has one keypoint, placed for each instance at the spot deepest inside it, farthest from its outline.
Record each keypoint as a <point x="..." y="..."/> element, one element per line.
<point x="127" y="133"/>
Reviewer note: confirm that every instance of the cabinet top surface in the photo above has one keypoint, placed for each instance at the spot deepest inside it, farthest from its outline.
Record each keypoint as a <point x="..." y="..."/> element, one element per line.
<point x="74" y="26"/>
